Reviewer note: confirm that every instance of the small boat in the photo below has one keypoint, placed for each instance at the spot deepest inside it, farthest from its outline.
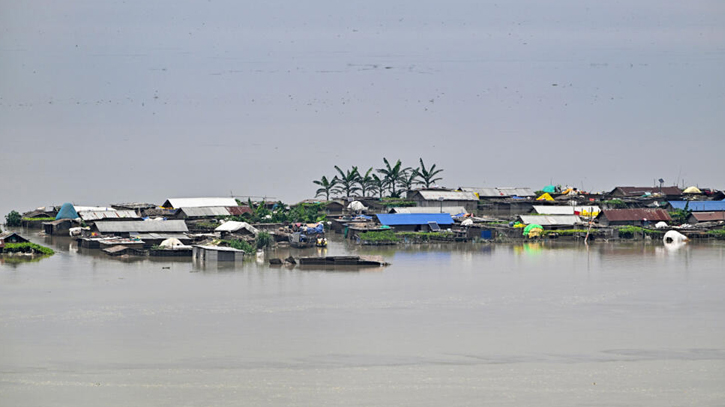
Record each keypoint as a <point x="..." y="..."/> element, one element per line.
<point x="321" y="241"/>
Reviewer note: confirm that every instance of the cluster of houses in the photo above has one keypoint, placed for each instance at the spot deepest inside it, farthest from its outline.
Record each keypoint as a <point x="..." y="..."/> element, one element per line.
<point x="468" y="212"/>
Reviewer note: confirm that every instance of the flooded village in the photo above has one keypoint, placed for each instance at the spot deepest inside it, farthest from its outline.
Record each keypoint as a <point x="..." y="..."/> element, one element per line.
<point x="372" y="210"/>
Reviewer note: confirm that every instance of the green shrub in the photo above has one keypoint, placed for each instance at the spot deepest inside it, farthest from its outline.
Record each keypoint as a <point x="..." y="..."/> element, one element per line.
<point x="27" y="248"/>
<point x="13" y="219"/>
<point x="426" y="236"/>
<point x="381" y="236"/>
<point x="629" y="232"/>
<point x="263" y="240"/>
<point x="240" y="245"/>
<point x="717" y="234"/>
<point x="616" y="203"/>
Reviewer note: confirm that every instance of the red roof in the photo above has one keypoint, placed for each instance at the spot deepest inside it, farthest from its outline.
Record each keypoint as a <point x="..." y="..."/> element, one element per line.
<point x="238" y="210"/>
<point x="652" y="215"/>
<point x="709" y="216"/>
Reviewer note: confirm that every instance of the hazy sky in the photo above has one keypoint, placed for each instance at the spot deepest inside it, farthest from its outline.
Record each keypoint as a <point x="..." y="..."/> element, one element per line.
<point x="109" y="101"/>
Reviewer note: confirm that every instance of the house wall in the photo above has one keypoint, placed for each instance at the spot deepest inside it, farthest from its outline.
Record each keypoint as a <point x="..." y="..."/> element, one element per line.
<point x="470" y="206"/>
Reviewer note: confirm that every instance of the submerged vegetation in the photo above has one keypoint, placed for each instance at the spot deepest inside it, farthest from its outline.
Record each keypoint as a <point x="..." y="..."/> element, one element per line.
<point x="379" y="237"/>
<point x="27" y="247"/>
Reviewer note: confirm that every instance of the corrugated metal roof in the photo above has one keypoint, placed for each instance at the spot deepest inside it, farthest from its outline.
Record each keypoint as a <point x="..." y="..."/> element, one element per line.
<point x="639" y="191"/>
<point x="233" y="226"/>
<point x="99" y="215"/>
<point x="451" y="210"/>
<point x="550" y="220"/>
<point x="164" y="236"/>
<point x="554" y="210"/>
<point x="205" y="212"/>
<point x="500" y="192"/>
<point x="709" y="216"/>
<point x="699" y="206"/>
<point x="399" y="219"/>
<point x="149" y="226"/>
<point x="219" y="248"/>
<point x="80" y="209"/>
<point x="652" y="215"/>
<point x="448" y="195"/>
<point x="198" y="202"/>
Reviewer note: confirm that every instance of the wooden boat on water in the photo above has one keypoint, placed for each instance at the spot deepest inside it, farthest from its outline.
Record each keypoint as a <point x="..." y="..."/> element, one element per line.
<point x="341" y="261"/>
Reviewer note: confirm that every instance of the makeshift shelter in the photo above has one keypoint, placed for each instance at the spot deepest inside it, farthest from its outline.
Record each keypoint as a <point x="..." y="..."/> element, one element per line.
<point x="545" y="197"/>
<point x="67" y="211"/>
<point x="356" y="206"/>
<point x="549" y="188"/>
<point x="674" y="236"/>
<point x="171" y="243"/>
<point x="533" y="230"/>
<point x="692" y="190"/>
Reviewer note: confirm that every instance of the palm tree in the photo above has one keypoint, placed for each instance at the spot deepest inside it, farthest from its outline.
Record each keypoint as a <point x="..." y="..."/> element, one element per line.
<point x="326" y="187"/>
<point x="393" y="175"/>
<point x="408" y="180"/>
<point x="348" y="180"/>
<point x="379" y="185"/>
<point x="428" y="175"/>
<point x="366" y="182"/>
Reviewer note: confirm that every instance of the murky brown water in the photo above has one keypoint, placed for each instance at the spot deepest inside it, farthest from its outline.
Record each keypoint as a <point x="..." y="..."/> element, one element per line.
<point x="532" y="324"/>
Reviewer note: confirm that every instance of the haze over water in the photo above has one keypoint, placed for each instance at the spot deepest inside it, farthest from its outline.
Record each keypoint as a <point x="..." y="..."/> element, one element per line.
<point x="104" y="102"/>
<point x="531" y="324"/>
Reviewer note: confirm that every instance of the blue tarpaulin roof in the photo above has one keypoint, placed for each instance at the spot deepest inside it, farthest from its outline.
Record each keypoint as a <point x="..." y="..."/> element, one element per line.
<point x="398" y="219"/>
<point x="67" y="211"/>
<point x="699" y="206"/>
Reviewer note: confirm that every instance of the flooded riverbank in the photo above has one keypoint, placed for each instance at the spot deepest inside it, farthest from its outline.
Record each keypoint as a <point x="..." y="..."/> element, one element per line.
<point x="529" y="324"/>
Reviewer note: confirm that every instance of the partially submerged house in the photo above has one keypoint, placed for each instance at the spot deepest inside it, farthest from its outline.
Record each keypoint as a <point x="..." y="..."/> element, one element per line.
<point x="216" y="254"/>
<point x="416" y="222"/>
<point x="451" y="210"/>
<point x="551" y="222"/>
<point x="11" y="237"/>
<point x="437" y="199"/>
<point x="150" y="231"/>
<point x="632" y="217"/>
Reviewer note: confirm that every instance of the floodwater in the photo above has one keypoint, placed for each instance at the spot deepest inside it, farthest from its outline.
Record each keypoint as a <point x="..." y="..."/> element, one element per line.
<point x="549" y="324"/>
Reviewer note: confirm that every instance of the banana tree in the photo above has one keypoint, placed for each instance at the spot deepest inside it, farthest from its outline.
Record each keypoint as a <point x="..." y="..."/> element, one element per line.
<point x="327" y="187"/>
<point x="428" y="176"/>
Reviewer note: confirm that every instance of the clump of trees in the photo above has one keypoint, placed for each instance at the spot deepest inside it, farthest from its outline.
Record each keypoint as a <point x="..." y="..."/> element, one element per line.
<point x="390" y="180"/>
<point x="13" y="219"/>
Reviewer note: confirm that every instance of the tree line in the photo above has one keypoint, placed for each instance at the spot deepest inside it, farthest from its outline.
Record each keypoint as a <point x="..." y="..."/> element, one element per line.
<point x="391" y="180"/>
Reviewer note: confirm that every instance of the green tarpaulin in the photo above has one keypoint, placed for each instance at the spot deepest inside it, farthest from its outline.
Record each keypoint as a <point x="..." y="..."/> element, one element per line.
<point x="528" y="228"/>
